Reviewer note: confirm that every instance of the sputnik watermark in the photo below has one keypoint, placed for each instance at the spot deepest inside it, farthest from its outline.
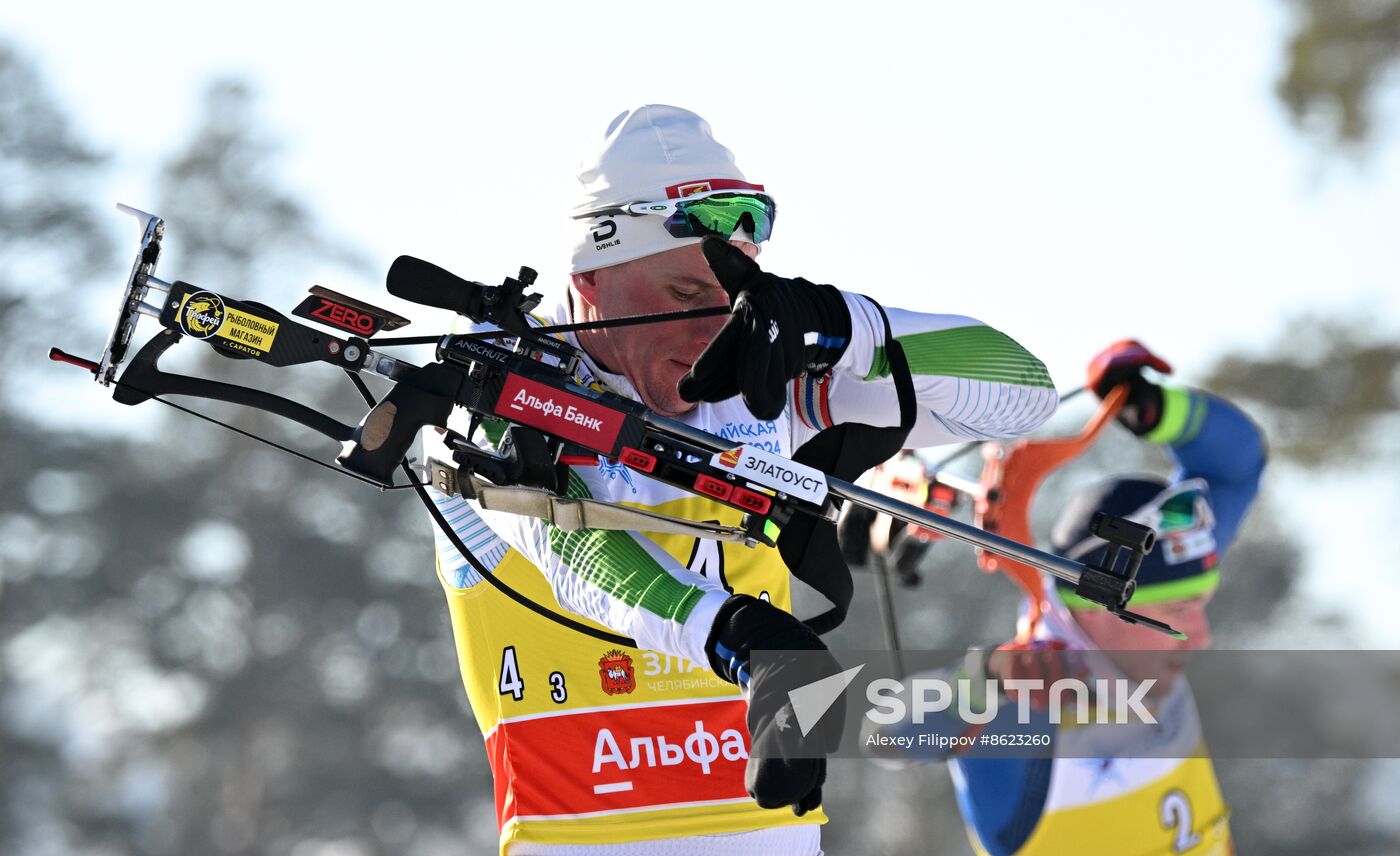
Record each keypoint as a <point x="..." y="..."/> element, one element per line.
<point x="1096" y="704"/>
<point x="938" y="696"/>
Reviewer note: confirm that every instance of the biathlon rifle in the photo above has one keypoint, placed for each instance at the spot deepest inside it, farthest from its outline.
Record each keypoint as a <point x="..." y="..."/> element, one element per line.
<point x="522" y="377"/>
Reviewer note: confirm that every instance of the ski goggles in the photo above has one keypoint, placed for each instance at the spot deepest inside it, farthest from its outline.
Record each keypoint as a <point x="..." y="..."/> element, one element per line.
<point x="1181" y="508"/>
<point x="720" y="214"/>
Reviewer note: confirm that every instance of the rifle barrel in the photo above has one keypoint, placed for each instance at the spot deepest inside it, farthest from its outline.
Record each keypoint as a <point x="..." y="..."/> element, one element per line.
<point x="1066" y="569"/>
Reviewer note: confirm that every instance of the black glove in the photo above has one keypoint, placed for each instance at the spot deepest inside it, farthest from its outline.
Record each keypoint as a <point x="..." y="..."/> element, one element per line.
<point x="785" y="768"/>
<point x="853" y="533"/>
<point x="780" y="328"/>
<point x="1122" y="363"/>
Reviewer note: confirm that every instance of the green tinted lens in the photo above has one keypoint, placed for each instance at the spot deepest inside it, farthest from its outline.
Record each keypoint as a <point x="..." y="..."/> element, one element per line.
<point x="722" y="214"/>
<point x="1179" y="512"/>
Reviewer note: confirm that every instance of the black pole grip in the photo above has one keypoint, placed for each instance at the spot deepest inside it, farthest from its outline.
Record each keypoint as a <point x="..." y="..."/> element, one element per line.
<point x="384" y="436"/>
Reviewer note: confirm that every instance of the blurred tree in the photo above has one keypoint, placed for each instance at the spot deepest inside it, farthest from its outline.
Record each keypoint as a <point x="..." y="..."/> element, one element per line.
<point x="47" y="242"/>
<point x="334" y="712"/>
<point x="48" y="234"/>
<point x="1327" y="390"/>
<point x="234" y="222"/>
<point x="1341" y="52"/>
<point x="205" y="646"/>
<point x="235" y="226"/>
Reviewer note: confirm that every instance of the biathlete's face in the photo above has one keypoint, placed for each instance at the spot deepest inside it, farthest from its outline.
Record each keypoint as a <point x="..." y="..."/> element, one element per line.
<point x="1112" y="634"/>
<point x="653" y="357"/>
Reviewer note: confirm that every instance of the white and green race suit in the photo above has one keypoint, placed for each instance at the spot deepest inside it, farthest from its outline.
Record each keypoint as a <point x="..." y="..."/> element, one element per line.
<point x="594" y="746"/>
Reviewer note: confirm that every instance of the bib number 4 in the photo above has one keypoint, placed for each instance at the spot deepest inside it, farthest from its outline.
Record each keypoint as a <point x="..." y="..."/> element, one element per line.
<point x="511" y="683"/>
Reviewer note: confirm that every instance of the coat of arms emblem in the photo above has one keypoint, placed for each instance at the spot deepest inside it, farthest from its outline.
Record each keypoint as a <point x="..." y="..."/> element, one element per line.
<point x="615" y="668"/>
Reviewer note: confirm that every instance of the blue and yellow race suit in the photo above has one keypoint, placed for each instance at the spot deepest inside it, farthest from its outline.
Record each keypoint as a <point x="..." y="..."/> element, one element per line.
<point x="1164" y="799"/>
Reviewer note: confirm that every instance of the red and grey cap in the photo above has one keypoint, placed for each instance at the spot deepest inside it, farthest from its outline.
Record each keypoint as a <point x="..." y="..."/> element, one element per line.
<point x="650" y="153"/>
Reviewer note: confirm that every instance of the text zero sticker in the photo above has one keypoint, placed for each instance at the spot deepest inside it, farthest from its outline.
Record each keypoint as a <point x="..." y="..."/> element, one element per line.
<point x="774" y="471"/>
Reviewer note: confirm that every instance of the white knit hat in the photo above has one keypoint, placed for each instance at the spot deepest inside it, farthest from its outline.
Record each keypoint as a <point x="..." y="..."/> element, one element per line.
<point x="651" y="153"/>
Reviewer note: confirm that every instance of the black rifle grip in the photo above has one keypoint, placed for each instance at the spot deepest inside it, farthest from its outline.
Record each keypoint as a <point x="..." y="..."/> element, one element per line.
<point x="384" y="436"/>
